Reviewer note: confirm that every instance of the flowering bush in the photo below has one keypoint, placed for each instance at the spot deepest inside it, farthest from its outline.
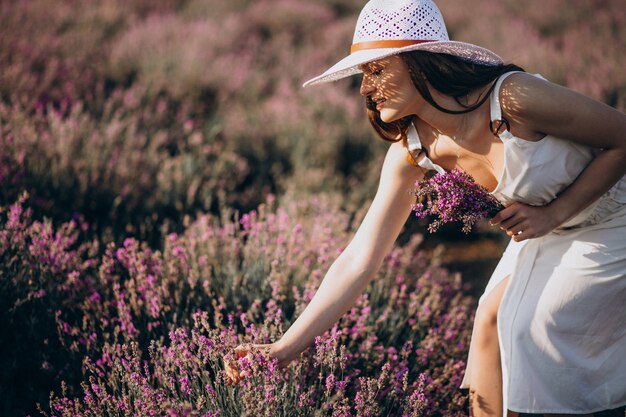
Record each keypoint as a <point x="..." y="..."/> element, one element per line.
<point x="44" y="273"/>
<point x="128" y="313"/>
<point x="128" y="170"/>
<point x="399" y="349"/>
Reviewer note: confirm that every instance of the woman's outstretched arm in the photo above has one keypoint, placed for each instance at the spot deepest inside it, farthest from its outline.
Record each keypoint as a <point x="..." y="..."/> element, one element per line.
<point x="351" y="272"/>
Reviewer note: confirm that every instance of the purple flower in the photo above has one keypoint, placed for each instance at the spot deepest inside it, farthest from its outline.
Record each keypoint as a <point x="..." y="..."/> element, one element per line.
<point x="453" y="196"/>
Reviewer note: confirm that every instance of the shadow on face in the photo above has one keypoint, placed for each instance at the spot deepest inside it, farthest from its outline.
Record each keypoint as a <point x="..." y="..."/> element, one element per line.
<point x="388" y="88"/>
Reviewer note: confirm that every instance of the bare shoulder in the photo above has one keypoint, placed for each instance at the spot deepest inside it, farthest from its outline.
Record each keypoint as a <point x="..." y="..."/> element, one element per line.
<point x="539" y="107"/>
<point x="521" y="93"/>
<point x="397" y="155"/>
<point x="517" y="87"/>
<point x="397" y="165"/>
<point x="517" y="93"/>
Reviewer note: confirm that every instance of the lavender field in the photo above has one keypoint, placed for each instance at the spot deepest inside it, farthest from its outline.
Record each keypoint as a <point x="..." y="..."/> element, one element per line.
<point x="168" y="191"/>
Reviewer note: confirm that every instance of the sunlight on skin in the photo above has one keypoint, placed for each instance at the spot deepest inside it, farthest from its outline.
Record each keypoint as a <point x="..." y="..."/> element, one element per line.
<point x="510" y="95"/>
<point x="388" y="83"/>
<point x="446" y="137"/>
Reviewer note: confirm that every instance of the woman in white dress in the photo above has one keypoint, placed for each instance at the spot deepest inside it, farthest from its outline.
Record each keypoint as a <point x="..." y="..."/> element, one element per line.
<point x="550" y="331"/>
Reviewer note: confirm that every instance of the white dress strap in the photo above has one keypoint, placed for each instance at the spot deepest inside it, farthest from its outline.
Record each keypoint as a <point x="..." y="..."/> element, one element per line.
<point x="496" y="110"/>
<point x="414" y="144"/>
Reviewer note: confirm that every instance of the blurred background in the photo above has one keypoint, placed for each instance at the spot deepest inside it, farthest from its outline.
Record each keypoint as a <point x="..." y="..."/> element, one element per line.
<point x="136" y="113"/>
<point x="136" y="116"/>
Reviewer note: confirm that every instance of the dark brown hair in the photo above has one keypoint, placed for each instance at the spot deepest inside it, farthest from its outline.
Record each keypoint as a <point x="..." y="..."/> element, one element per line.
<point x="447" y="74"/>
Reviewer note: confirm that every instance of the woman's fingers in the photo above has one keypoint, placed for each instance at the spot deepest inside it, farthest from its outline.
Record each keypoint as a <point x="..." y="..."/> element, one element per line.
<point x="504" y="214"/>
<point x="233" y="374"/>
<point x="518" y="230"/>
<point x="522" y="221"/>
<point x="519" y="234"/>
<point x="514" y="219"/>
<point x="242" y="350"/>
<point x="510" y="219"/>
<point x="513" y="224"/>
<point x="515" y="232"/>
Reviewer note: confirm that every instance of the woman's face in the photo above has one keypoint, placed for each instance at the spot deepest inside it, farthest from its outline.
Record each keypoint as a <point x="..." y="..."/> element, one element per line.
<point x="388" y="83"/>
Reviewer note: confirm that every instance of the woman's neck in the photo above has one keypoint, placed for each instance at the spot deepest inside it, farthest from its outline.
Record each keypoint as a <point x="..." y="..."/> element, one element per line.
<point x="465" y="128"/>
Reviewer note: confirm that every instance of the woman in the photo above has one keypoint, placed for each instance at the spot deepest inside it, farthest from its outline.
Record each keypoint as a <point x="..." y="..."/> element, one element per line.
<point x="553" y="312"/>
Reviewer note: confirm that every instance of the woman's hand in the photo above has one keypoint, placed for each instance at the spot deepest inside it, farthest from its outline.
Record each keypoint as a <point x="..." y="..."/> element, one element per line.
<point x="234" y="375"/>
<point x="522" y="221"/>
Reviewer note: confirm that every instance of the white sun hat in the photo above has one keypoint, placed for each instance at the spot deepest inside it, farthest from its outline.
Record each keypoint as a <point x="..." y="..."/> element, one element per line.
<point x="390" y="27"/>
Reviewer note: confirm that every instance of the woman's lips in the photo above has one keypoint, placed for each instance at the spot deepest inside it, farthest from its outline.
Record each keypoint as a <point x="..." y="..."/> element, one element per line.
<point x="379" y="104"/>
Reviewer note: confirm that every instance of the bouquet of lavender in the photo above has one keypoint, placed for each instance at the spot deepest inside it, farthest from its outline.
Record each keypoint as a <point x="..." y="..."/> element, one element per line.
<point x="454" y="196"/>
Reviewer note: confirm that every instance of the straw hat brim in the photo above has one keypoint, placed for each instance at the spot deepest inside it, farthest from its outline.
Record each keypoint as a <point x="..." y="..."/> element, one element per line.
<point x="350" y="64"/>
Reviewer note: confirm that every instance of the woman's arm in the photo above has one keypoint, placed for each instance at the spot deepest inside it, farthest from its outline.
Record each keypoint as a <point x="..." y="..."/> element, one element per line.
<point x="539" y="107"/>
<point x="351" y="272"/>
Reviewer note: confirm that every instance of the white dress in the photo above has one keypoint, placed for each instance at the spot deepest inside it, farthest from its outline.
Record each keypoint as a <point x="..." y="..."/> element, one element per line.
<point x="562" y="318"/>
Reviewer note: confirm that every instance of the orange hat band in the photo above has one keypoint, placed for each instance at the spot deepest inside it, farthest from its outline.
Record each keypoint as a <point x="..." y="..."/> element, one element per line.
<point x="391" y="43"/>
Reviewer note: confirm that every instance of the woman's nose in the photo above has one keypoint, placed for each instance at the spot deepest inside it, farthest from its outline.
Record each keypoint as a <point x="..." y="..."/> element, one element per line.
<point x="366" y="86"/>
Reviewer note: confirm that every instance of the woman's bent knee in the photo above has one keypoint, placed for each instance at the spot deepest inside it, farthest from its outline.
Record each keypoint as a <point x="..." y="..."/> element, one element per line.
<point x="486" y="317"/>
<point x="486" y="320"/>
<point x="485" y="328"/>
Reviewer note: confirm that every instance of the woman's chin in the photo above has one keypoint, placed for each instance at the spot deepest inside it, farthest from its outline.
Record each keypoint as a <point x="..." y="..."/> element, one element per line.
<point x="388" y="119"/>
<point x="388" y="116"/>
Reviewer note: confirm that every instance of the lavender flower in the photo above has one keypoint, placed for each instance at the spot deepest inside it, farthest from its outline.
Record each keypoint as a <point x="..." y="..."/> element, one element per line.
<point x="454" y="196"/>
